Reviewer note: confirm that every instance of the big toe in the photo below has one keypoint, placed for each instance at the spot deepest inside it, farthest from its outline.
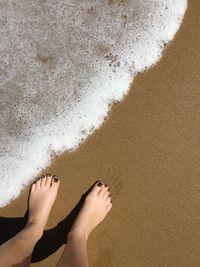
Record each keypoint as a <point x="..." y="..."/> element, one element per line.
<point x="55" y="182"/>
<point x="97" y="187"/>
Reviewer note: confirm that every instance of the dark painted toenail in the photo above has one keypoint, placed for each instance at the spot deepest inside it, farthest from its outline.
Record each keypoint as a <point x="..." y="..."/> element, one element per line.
<point x="100" y="184"/>
<point x="55" y="178"/>
<point x="106" y="185"/>
<point x="48" y="174"/>
<point x="42" y="176"/>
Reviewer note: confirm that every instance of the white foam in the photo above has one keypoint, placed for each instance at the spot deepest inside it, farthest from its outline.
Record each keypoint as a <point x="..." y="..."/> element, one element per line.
<point x="62" y="63"/>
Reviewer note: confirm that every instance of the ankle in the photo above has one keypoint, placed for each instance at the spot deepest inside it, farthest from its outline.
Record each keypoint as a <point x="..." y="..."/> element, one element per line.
<point x="77" y="235"/>
<point x="35" y="228"/>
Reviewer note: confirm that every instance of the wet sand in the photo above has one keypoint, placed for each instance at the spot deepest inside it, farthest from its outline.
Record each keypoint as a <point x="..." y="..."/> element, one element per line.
<point x="148" y="151"/>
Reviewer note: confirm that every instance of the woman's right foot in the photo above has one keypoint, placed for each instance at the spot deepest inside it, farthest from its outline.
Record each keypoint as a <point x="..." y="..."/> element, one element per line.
<point x="42" y="196"/>
<point x="96" y="206"/>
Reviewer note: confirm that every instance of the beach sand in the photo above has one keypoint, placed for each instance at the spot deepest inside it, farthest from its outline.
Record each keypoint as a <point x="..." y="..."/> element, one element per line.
<point x="148" y="151"/>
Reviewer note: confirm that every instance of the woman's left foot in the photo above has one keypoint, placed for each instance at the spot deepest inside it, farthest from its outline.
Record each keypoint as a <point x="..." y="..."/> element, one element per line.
<point x="42" y="196"/>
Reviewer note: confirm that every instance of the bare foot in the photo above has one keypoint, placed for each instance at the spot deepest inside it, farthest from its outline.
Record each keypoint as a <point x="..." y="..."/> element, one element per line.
<point x="95" y="208"/>
<point x="42" y="196"/>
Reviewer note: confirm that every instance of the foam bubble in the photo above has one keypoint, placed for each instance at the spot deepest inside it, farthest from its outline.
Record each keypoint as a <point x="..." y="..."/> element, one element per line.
<point x="62" y="64"/>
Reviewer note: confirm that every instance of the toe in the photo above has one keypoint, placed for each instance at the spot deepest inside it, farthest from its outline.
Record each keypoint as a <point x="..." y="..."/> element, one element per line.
<point x="48" y="181"/>
<point x="38" y="184"/>
<point x="108" y="201"/>
<point x="43" y="181"/>
<point x="106" y="194"/>
<point x="103" y="190"/>
<point x="108" y="208"/>
<point x="33" y="187"/>
<point x="55" y="182"/>
<point x="97" y="187"/>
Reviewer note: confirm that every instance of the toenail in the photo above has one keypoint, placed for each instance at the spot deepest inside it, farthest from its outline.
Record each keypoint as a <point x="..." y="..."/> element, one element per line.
<point x="48" y="174"/>
<point x="100" y="184"/>
<point x="55" y="178"/>
<point x="42" y="176"/>
<point x="106" y="185"/>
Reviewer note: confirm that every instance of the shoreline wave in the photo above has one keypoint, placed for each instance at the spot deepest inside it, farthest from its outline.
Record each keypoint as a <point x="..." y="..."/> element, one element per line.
<point x="63" y="67"/>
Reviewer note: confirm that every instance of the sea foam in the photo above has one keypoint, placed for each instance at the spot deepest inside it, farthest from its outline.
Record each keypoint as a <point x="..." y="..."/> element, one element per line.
<point x="62" y="64"/>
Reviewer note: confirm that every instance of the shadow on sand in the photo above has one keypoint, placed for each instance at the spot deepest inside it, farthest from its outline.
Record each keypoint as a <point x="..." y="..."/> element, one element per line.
<point x="51" y="240"/>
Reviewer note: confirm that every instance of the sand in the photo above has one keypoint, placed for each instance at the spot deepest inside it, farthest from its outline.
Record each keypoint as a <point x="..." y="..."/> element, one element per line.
<point x="148" y="151"/>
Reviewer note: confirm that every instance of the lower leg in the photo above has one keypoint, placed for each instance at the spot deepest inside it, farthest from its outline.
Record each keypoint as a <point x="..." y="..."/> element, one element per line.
<point x="95" y="208"/>
<point x="75" y="252"/>
<point x="18" y="250"/>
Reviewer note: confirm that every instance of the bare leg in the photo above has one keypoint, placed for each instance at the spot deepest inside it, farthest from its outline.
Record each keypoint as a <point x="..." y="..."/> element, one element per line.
<point x="95" y="208"/>
<point x="18" y="250"/>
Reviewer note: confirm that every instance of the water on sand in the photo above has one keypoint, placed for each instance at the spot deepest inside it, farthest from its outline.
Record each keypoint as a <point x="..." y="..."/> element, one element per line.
<point x="62" y="65"/>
